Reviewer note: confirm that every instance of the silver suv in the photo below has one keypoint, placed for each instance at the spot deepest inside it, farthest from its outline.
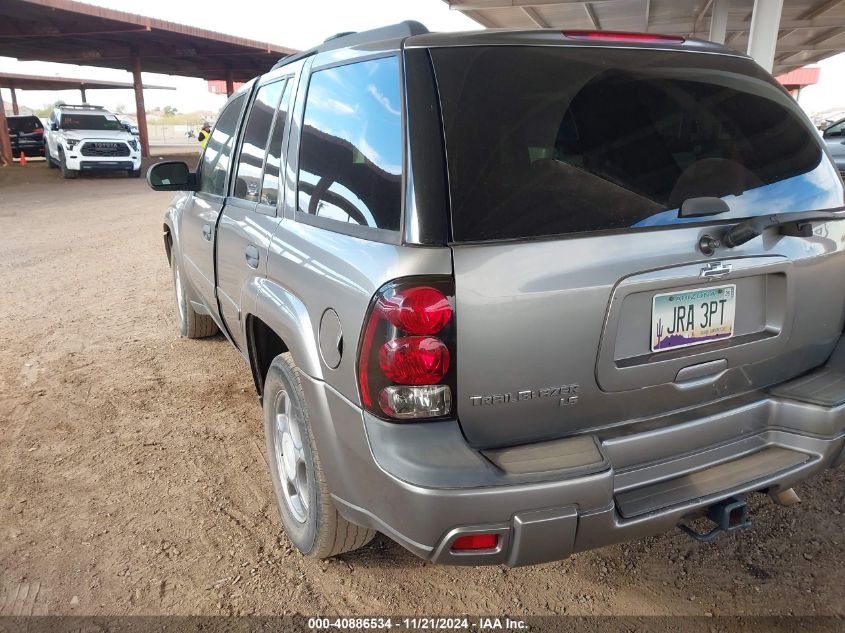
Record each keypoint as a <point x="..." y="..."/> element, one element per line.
<point x="512" y="295"/>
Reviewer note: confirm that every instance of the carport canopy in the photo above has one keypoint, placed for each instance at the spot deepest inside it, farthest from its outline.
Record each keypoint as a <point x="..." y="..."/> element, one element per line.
<point x="780" y="34"/>
<point x="76" y="33"/>
<point x="15" y="82"/>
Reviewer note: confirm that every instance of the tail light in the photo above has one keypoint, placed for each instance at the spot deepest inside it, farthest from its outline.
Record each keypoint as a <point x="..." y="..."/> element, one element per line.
<point x="623" y="36"/>
<point x="38" y="130"/>
<point x="406" y="359"/>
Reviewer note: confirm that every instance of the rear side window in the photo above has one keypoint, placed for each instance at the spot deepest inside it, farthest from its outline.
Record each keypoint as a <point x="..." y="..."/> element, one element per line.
<point x="254" y="143"/>
<point x="543" y="141"/>
<point x="350" y="156"/>
<point x="273" y="164"/>
<point x="218" y="151"/>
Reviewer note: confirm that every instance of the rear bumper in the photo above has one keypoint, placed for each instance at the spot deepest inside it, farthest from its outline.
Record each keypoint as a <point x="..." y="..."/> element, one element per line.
<point x="29" y="149"/>
<point x="423" y="486"/>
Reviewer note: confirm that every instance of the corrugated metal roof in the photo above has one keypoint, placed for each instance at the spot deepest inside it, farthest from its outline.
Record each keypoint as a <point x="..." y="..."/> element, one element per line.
<point x="78" y="33"/>
<point x="800" y="77"/>
<point x="40" y="82"/>
<point x="810" y="30"/>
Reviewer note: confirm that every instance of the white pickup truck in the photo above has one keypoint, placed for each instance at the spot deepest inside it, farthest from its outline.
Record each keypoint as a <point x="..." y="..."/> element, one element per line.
<point x="90" y="138"/>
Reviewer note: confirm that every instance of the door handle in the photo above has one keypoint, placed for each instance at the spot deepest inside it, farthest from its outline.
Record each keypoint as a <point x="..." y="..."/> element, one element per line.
<point x="251" y="255"/>
<point x="206" y="232"/>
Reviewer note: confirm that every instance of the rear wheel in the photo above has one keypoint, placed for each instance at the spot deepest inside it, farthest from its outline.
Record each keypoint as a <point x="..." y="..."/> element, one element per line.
<point x="192" y="324"/>
<point x="309" y="516"/>
<point x="66" y="173"/>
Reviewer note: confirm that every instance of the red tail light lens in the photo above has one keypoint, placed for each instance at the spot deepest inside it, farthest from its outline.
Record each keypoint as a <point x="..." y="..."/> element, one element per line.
<point x="623" y="36"/>
<point x="406" y="355"/>
<point x="414" y="360"/>
<point x="472" y="542"/>
<point x="38" y="130"/>
<point x="419" y="310"/>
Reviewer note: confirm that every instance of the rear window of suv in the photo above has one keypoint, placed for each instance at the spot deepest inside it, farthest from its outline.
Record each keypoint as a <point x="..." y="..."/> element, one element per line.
<point x="24" y="124"/>
<point x="545" y="141"/>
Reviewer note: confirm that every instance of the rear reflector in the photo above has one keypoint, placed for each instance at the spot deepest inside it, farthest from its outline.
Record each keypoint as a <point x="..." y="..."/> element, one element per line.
<point x="623" y="36"/>
<point x="471" y="542"/>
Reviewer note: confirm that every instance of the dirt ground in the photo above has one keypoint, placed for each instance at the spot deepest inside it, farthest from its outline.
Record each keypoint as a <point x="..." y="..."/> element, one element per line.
<point x="133" y="481"/>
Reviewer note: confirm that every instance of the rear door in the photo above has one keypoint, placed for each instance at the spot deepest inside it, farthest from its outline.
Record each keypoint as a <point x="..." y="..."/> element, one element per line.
<point x="199" y="217"/>
<point x="583" y="298"/>
<point x="249" y="217"/>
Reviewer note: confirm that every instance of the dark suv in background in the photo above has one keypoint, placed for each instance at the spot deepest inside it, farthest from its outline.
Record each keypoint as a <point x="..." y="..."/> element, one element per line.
<point x="508" y="295"/>
<point x="27" y="135"/>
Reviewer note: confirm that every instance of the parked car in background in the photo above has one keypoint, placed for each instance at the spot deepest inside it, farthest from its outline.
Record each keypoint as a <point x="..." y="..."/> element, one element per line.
<point x="834" y="138"/>
<point x="27" y="134"/>
<point x="505" y="321"/>
<point x="130" y="127"/>
<point x="90" y="138"/>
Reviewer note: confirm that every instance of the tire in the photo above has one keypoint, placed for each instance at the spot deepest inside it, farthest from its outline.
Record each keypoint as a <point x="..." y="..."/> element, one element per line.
<point x="68" y="174"/>
<point x="310" y="519"/>
<point x="134" y="173"/>
<point x="192" y="324"/>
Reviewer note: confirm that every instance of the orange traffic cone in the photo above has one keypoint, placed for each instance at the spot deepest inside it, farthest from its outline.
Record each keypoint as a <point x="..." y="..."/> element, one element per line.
<point x="23" y="159"/>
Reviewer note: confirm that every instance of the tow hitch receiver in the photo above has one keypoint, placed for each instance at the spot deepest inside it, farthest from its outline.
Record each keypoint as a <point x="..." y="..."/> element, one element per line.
<point x="729" y="515"/>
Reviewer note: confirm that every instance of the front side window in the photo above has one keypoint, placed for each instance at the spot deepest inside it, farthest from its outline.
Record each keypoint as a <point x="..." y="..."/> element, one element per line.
<point x="254" y="144"/>
<point x="218" y="150"/>
<point x="350" y="156"/>
<point x="72" y="121"/>
<point x="544" y="141"/>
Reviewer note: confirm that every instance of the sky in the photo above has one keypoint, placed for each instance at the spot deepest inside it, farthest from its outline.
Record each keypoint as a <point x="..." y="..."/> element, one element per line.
<point x="298" y="24"/>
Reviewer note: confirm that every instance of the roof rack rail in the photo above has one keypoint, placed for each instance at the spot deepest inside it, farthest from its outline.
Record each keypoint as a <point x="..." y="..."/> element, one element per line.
<point x="352" y="38"/>
<point x="79" y="106"/>
<point x="337" y="35"/>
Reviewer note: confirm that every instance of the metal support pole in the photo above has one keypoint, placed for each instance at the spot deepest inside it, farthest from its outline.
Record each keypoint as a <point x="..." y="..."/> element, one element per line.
<point x="140" y="111"/>
<point x="82" y="93"/>
<point x="230" y="83"/>
<point x="719" y="21"/>
<point x="5" y="141"/>
<point x="15" y="109"/>
<point x="763" y="37"/>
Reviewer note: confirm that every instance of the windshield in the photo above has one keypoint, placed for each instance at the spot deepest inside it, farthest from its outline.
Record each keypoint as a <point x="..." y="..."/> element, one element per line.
<point x="598" y="139"/>
<point x="72" y="121"/>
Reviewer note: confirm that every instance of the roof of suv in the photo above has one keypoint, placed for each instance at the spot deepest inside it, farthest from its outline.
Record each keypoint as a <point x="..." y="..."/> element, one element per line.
<point x="84" y="108"/>
<point x="412" y="34"/>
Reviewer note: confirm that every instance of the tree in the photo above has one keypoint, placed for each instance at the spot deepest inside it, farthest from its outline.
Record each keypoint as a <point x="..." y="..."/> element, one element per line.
<point x="120" y="109"/>
<point x="47" y="110"/>
<point x="170" y="111"/>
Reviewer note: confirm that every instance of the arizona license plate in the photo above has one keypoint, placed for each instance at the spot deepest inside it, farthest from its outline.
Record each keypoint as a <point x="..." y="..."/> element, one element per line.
<point x="692" y="317"/>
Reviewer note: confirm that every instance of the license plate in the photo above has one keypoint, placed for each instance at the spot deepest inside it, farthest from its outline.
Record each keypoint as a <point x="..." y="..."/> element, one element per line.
<point x="692" y="317"/>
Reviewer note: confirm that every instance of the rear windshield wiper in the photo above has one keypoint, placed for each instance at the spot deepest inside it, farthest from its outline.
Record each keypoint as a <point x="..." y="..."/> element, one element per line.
<point x="752" y="227"/>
